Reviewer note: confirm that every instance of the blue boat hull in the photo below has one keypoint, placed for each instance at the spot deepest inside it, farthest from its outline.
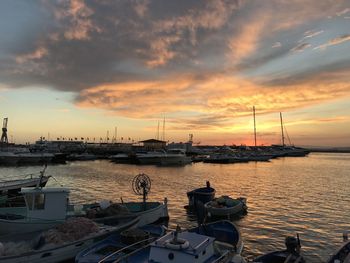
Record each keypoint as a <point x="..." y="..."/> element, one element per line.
<point x="278" y="257"/>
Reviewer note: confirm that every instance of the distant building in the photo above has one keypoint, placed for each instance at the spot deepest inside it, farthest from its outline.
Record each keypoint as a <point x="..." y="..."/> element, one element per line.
<point x="153" y="144"/>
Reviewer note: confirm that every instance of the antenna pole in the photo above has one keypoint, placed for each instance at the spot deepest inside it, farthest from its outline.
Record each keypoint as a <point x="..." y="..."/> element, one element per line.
<point x="283" y="144"/>
<point x="254" y="126"/>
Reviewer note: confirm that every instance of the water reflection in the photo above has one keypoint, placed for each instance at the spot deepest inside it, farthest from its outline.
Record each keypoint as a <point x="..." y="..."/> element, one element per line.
<point x="307" y="195"/>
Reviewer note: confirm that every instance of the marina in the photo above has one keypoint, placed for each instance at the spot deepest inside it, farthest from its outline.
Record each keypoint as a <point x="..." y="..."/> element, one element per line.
<point x="289" y="195"/>
<point x="150" y="131"/>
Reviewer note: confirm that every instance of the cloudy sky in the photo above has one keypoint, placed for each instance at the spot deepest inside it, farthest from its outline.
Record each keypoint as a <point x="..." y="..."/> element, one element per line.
<point x="75" y="68"/>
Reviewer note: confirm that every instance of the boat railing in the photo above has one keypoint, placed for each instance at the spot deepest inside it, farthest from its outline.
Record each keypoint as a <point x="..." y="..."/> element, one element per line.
<point x="225" y="257"/>
<point x="149" y="240"/>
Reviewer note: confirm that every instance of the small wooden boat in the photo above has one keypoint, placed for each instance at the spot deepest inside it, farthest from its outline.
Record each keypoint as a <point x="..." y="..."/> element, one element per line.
<point x="214" y="242"/>
<point x="342" y="255"/>
<point x="290" y="255"/>
<point x="226" y="206"/>
<point x="57" y="244"/>
<point x="132" y="238"/>
<point x="203" y="195"/>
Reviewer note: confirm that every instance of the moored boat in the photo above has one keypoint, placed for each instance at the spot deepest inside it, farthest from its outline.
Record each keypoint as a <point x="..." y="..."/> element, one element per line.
<point x="82" y="157"/>
<point x="226" y="206"/>
<point x="10" y="189"/>
<point x="150" y="158"/>
<point x="203" y="195"/>
<point x="133" y="239"/>
<point x="342" y="254"/>
<point x="175" y="157"/>
<point x="57" y="244"/>
<point x="48" y="207"/>
<point x="290" y="255"/>
<point x="8" y="158"/>
<point x="215" y="242"/>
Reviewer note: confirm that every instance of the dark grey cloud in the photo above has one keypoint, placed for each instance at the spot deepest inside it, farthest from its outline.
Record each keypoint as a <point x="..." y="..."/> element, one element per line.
<point x="84" y="44"/>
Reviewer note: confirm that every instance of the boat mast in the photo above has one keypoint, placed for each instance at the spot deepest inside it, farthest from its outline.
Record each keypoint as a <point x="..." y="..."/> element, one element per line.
<point x="283" y="144"/>
<point x="158" y="131"/>
<point x="163" y="129"/>
<point x="254" y="126"/>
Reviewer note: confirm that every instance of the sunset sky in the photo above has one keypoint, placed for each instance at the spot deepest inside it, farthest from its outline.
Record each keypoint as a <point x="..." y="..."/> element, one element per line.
<point x="76" y="68"/>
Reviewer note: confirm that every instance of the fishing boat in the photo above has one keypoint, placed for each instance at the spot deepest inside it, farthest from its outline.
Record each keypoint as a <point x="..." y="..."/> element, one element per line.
<point x="10" y="189"/>
<point x="203" y="195"/>
<point x="342" y="254"/>
<point x="149" y="212"/>
<point x="134" y="239"/>
<point x="48" y="207"/>
<point x="290" y="255"/>
<point x="45" y="208"/>
<point x="215" y="242"/>
<point x="57" y="244"/>
<point x="17" y="184"/>
<point x="226" y="206"/>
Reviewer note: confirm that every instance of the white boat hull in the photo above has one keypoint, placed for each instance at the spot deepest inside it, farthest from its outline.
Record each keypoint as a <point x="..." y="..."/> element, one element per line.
<point x="225" y="210"/>
<point x="17" y="184"/>
<point x="176" y="160"/>
<point x="153" y="215"/>
<point x="158" y="213"/>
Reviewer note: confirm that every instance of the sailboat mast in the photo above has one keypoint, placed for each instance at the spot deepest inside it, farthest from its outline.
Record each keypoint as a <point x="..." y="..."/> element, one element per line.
<point x="254" y="126"/>
<point x="163" y="129"/>
<point x="158" y="131"/>
<point x="282" y="129"/>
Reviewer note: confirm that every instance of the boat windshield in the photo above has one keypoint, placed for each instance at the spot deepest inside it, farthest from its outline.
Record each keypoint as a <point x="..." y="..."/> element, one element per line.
<point x="35" y="201"/>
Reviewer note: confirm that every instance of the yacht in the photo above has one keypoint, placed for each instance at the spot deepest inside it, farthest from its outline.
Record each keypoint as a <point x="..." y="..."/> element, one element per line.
<point x="175" y="157"/>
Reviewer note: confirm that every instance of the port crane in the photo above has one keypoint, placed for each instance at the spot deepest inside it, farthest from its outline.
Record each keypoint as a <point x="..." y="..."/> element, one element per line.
<point x="4" y="138"/>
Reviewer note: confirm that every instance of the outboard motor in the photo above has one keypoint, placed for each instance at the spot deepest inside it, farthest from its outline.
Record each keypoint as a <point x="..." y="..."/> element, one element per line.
<point x="291" y="244"/>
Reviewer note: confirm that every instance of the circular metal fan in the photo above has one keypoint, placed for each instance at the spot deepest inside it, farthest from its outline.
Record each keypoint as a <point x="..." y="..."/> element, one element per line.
<point x="141" y="184"/>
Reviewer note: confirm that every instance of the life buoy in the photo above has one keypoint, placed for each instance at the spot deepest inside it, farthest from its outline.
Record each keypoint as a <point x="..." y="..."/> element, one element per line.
<point x="180" y="244"/>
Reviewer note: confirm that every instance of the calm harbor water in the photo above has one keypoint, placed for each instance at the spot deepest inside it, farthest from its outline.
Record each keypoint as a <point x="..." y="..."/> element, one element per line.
<point x="308" y="195"/>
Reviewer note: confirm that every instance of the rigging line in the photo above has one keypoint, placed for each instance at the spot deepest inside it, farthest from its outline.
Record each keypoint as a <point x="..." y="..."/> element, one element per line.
<point x="290" y="143"/>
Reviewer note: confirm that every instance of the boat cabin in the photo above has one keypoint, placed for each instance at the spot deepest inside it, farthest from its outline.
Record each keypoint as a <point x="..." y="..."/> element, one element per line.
<point x="46" y="203"/>
<point x="194" y="248"/>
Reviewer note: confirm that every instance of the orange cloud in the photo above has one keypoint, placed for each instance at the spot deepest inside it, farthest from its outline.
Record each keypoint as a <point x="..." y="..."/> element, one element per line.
<point x="245" y="43"/>
<point x="211" y="104"/>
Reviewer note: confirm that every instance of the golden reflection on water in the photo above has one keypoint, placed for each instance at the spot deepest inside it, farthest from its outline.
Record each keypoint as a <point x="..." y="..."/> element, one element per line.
<point x="309" y="195"/>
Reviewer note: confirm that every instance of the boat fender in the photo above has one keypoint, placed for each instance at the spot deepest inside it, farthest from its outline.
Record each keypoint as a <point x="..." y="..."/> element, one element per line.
<point x="180" y="244"/>
<point x="104" y="204"/>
